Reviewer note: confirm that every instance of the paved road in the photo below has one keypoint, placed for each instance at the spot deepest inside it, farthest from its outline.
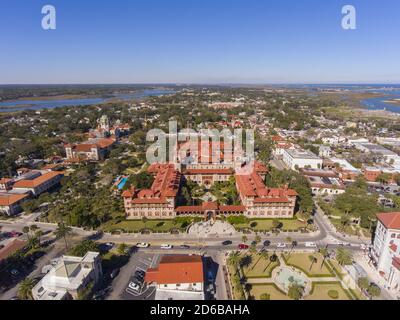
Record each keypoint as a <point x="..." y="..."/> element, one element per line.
<point x="57" y="249"/>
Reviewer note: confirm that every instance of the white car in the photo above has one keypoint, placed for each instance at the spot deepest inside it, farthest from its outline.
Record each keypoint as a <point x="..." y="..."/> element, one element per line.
<point x="142" y="245"/>
<point x="281" y="245"/>
<point x="311" y="245"/>
<point x="166" y="246"/>
<point x="134" y="286"/>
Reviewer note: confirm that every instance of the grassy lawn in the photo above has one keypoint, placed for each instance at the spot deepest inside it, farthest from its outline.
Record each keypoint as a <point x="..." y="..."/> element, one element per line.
<point x="137" y="225"/>
<point x="266" y="224"/>
<point x="260" y="268"/>
<point x="275" y="294"/>
<point x="320" y="291"/>
<point x="302" y="261"/>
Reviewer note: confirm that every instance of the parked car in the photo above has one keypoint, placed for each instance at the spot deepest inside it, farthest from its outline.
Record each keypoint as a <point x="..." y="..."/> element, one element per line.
<point x="310" y="245"/>
<point x="227" y="242"/>
<point x="184" y="246"/>
<point x="166" y="246"/>
<point x="14" y="272"/>
<point x="140" y="273"/>
<point x="267" y="243"/>
<point x="254" y="243"/>
<point x="139" y="276"/>
<point x="16" y="234"/>
<point x="281" y="245"/>
<point x="142" y="245"/>
<point x="243" y="246"/>
<point x="114" y="273"/>
<point x="134" y="286"/>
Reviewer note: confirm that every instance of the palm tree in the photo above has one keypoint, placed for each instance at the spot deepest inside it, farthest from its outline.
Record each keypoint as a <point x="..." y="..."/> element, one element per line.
<point x="325" y="253"/>
<point x="26" y="231"/>
<point x="25" y="289"/>
<point x="344" y="257"/>
<point x="244" y="238"/>
<point x="234" y="260"/>
<point x="257" y="239"/>
<point x="63" y="231"/>
<point x="313" y="260"/>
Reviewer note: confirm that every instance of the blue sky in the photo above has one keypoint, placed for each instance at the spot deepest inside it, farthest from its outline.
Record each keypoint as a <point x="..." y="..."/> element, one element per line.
<point x="200" y="41"/>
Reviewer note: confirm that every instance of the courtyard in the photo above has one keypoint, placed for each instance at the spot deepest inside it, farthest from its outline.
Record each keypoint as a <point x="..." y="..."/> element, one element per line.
<point x="264" y="278"/>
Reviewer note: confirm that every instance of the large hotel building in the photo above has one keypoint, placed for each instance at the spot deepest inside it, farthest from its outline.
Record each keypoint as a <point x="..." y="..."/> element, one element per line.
<point x="159" y="202"/>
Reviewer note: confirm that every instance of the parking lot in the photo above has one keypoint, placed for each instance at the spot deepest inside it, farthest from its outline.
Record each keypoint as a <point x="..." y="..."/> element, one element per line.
<point x="122" y="290"/>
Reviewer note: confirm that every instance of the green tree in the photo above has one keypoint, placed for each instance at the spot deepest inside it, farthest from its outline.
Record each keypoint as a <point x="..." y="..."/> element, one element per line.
<point x="63" y="231"/>
<point x="25" y="289"/>
<point x="122" y="248"/>
<point x="295" y="291"/>
<point x="344" y="256"/>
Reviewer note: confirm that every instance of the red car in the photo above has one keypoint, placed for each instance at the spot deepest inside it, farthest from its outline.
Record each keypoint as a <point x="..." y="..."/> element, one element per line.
<point x="243" y="246"/>
<point x="15" y="234"/>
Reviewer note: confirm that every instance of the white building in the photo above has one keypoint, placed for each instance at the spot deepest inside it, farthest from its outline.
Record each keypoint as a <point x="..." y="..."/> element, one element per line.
<point x="297" y="159"/>
<point x="325" y="151"/>
<point x="386" y="248"/>
<point x="178" y="277"/>
<point x="387" y="154"/>
<point x="69" y="276"/>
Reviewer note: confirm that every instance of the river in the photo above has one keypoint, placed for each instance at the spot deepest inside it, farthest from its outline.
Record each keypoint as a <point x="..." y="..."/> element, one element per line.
<point x="59" y="103"/>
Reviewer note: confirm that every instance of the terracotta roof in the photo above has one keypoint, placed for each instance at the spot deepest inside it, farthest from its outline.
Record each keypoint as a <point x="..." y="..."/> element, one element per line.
<point x="176" y="269"/>
<point x="253" y="186"/>
<point x="396" y="263"/>
<point x="393" y="247"/>
<point x="391" y="220"/>
<point x="37" y="181"/>
<point x="166" y="184"/>
<point x="8" y="199"/>
<point x="11" y="248"/>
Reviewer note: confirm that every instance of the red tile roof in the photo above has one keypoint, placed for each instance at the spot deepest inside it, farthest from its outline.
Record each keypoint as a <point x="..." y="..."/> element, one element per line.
<point x="11" y="248"/>
<point x="176" y="269"/>
<point x="253" y="186"/>
<point x="396" y="263"/>
<point x="8" y="199"/>
<point x="166" y="184"/>
<point x="391" y="220"/>
<point x="37" y="181"/>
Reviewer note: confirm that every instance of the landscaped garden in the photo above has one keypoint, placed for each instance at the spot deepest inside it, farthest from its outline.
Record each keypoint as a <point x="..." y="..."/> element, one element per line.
<point x="268" y="291"/>
<point x="296" y="275"/>
<point x="328" y="291"/>
<point x="312" y="264"/>
<point x="258" y="266"/>
<point x="268" y="225"/>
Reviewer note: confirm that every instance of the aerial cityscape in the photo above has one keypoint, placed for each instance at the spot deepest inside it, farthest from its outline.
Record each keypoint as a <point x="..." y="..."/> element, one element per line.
<point x="204" y="180"/>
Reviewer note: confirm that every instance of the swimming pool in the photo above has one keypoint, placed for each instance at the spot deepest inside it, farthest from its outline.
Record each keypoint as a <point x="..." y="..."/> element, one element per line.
<point x="286" y="276"/>
<point x="122" y="183"/>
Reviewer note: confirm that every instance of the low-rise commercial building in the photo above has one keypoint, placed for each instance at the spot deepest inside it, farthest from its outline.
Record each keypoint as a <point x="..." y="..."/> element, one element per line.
<point x="178" y="277"/>
<point x="68" y="277"/>
<point x="296" y="159"/>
